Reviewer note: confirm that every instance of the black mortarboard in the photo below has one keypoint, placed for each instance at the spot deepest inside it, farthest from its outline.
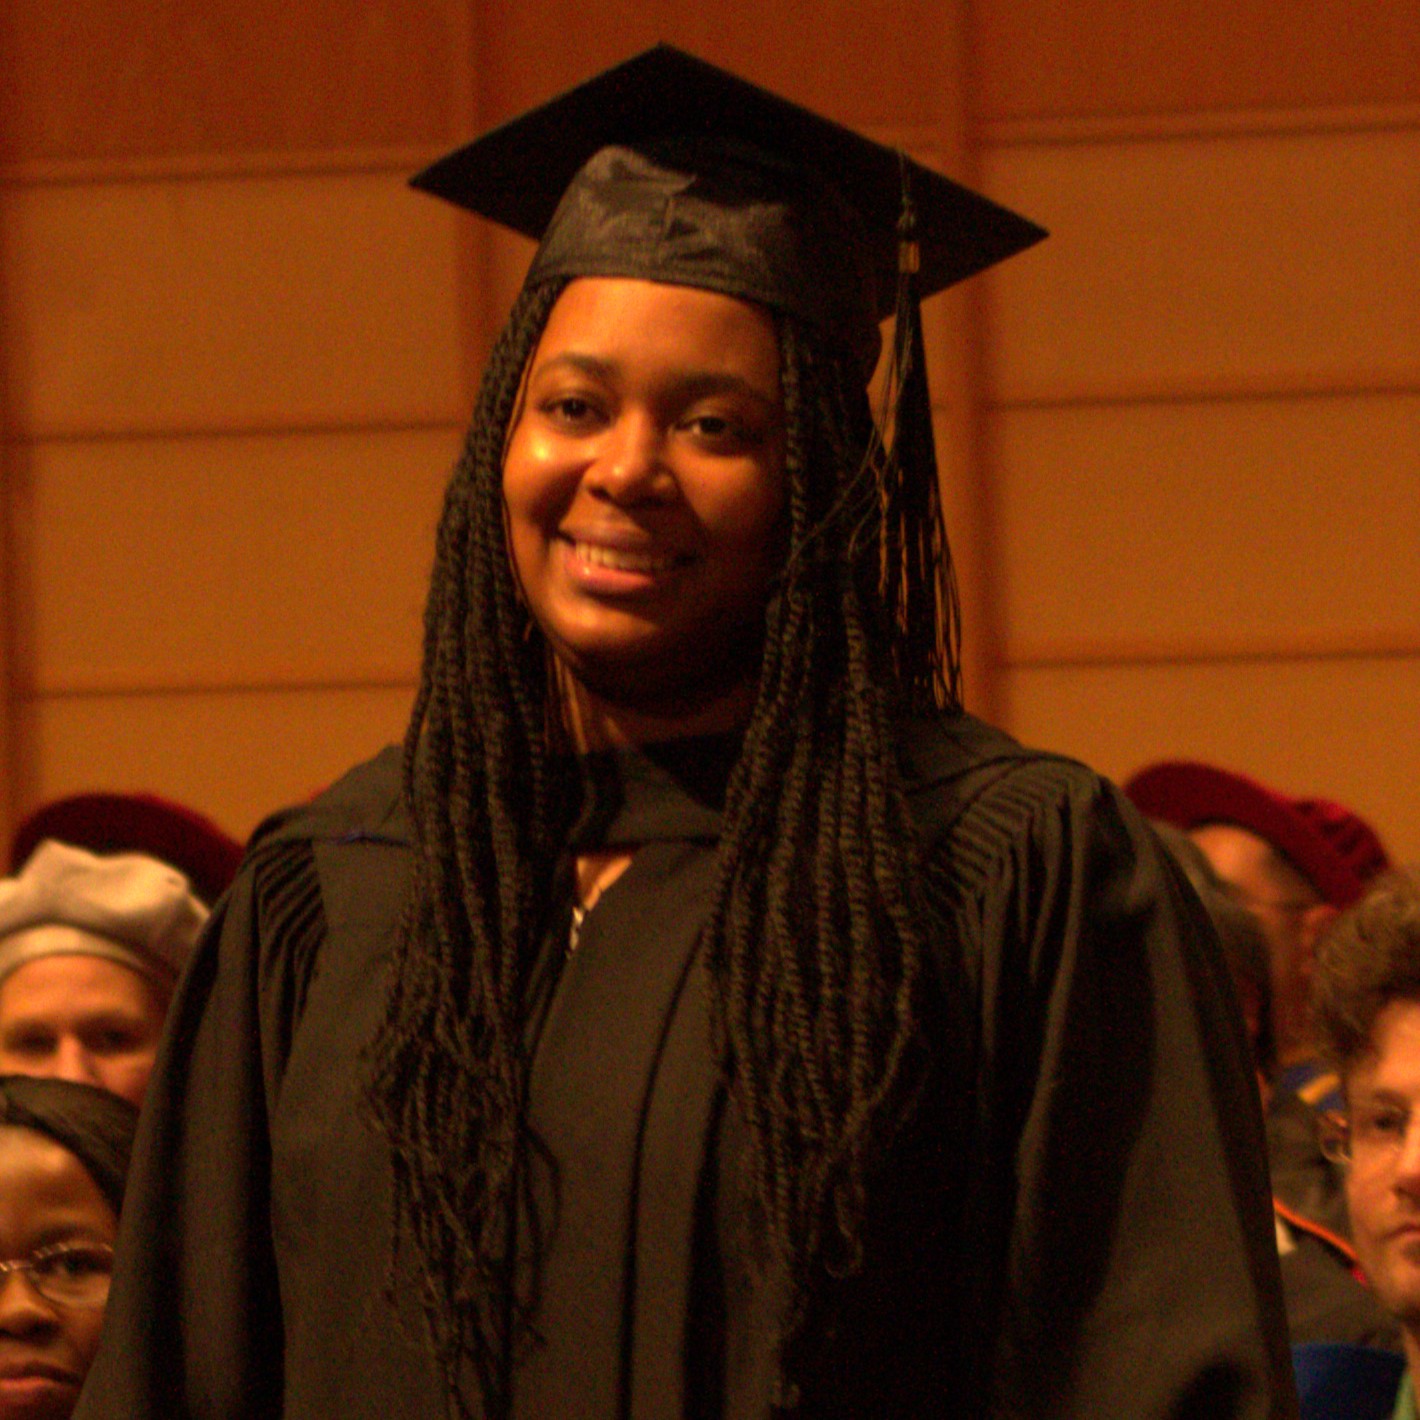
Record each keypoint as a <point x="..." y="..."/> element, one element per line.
<point x="712" y="181"/>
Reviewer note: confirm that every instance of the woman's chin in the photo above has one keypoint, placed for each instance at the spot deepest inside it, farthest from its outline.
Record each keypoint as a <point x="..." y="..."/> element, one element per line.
<point x="642" y="697"/>
<point x="36" y="1398"/>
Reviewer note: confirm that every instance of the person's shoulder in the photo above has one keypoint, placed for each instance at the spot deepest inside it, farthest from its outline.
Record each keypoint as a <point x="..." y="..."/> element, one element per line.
<point x="365" y="805"/>
<point x="995" y="818"/>
<point x="958" y="769"/>
<point x="341" y="857"/>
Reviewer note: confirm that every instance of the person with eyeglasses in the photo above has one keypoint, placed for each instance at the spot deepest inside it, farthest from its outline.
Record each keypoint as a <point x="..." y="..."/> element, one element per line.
<point x="64" y="1151"/>
<point x="1366" y="1007"/>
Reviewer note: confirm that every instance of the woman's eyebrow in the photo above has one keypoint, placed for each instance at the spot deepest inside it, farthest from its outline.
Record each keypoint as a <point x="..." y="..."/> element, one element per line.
<point x="575" y="360"/>
<point x="695" y="385"/>
<point x="687" y="384"/>
<point x="692" y="381"/>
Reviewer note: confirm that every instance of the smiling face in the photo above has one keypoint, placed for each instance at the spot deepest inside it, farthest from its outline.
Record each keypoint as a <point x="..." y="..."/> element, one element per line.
<point x="82" y="1018"/>
<point x="644" y="491"/>
<point x="47" y="1199"/>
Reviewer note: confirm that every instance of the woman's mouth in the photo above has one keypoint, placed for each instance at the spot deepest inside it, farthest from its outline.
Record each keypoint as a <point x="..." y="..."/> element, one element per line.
<point x="16" y="1372"/>
<point x="643" y="563"/>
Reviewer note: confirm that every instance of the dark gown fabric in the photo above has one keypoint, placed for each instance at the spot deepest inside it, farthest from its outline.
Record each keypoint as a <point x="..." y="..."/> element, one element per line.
<point x="1074" y="1222"/>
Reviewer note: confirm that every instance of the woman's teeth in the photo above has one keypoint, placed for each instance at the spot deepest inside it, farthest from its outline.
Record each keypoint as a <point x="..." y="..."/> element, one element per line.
<point x="620" y="560"/>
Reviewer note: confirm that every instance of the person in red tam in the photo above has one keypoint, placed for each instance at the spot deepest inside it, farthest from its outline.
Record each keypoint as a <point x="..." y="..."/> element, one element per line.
<point x="1297" y="864"/>
<point x="105" y="822"/>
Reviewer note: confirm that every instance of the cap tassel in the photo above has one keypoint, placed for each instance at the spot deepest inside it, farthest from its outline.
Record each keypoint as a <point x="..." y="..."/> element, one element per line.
<point x="918" y="585"/>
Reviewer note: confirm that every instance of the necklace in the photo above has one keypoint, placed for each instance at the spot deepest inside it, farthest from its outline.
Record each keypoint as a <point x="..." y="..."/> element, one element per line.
<point x="574" y="933"/>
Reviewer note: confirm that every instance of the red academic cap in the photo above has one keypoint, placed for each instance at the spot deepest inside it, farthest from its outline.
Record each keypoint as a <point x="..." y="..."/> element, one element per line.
<point x="136" y="823"/>
<point x="1336" y="849"/>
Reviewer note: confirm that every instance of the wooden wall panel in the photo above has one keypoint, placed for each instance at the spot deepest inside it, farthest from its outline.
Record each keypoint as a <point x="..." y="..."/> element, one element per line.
<point x="212" y="304"/>
<point x="238" y="756"/>
<point x="88" y="79"/>
<point x="1178" y="528"/>
<point x="1040" y="58"/>
<point x="244" y="561"/>
<point x="1206" y="264"/>
<point x="870" y="63"/>
<point x="1341" y="729"/>
<point x="195" y="291"/>
<point x="10" y="749"/>
<point x="1205" y="452"/>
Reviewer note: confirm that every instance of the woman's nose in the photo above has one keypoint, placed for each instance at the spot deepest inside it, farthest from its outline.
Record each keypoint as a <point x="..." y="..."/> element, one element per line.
<point x="23" y="1312"/>
<point x="631" y="465"/>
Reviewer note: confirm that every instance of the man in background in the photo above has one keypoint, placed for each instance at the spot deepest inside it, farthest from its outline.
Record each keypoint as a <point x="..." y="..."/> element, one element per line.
<point x="90" y="949"/>
<point x="1366" y="996"/>
<point x="1295" y="863"/>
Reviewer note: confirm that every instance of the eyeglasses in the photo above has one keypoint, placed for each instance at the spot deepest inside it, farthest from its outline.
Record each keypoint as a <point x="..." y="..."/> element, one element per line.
<point x="1334" y="1136"/>
<point x="69" y="1275"/>
<point x="1375" y="1134"/>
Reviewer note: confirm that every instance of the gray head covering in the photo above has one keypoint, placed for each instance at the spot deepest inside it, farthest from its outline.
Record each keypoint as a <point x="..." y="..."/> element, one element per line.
<point x="126" y="907"/>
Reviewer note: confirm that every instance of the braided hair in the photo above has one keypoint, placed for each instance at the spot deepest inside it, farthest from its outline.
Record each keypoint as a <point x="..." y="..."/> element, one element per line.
<point x="816" y="999"/>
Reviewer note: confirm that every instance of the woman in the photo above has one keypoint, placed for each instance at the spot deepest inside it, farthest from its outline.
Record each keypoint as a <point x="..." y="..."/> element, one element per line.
<point x="729" y="1024"/>
<point x="64" y="1151"/>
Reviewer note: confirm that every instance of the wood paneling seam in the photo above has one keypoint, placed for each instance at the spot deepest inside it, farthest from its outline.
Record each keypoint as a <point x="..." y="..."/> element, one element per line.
<point x="1171" y="127"/>
<point x="1363" y="384"/>
<point x="1050" y="653"/>
<point x="922" y="141"/>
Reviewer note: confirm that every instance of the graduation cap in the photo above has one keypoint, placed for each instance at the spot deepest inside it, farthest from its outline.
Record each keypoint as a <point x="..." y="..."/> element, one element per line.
<point x="668" y="168"/>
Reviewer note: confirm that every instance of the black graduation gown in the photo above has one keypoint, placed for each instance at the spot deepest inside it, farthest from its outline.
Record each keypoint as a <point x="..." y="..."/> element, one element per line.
<point x="1075" y="1223"/>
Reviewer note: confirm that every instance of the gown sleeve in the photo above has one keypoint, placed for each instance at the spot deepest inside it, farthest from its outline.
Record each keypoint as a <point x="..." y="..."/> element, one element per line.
<point x="193" y="1326"/>
<point x="1124" y="1149"/>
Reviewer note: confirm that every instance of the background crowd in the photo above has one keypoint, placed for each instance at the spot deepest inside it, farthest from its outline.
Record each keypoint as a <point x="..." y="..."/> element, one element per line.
<point x="108" y="893"/>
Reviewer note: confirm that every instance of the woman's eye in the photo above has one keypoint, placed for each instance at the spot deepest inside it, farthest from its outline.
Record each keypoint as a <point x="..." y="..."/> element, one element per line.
<point x="571" y="410"/>
<point x="74" y="1262"/>
<point x="721" y="431"/>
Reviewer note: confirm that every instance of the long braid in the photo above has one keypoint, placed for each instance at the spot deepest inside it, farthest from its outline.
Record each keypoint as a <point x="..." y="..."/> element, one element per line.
<point x="815" y="934"/>
<point x="816" y="1001"/>
<point x="445" y="1071"/>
